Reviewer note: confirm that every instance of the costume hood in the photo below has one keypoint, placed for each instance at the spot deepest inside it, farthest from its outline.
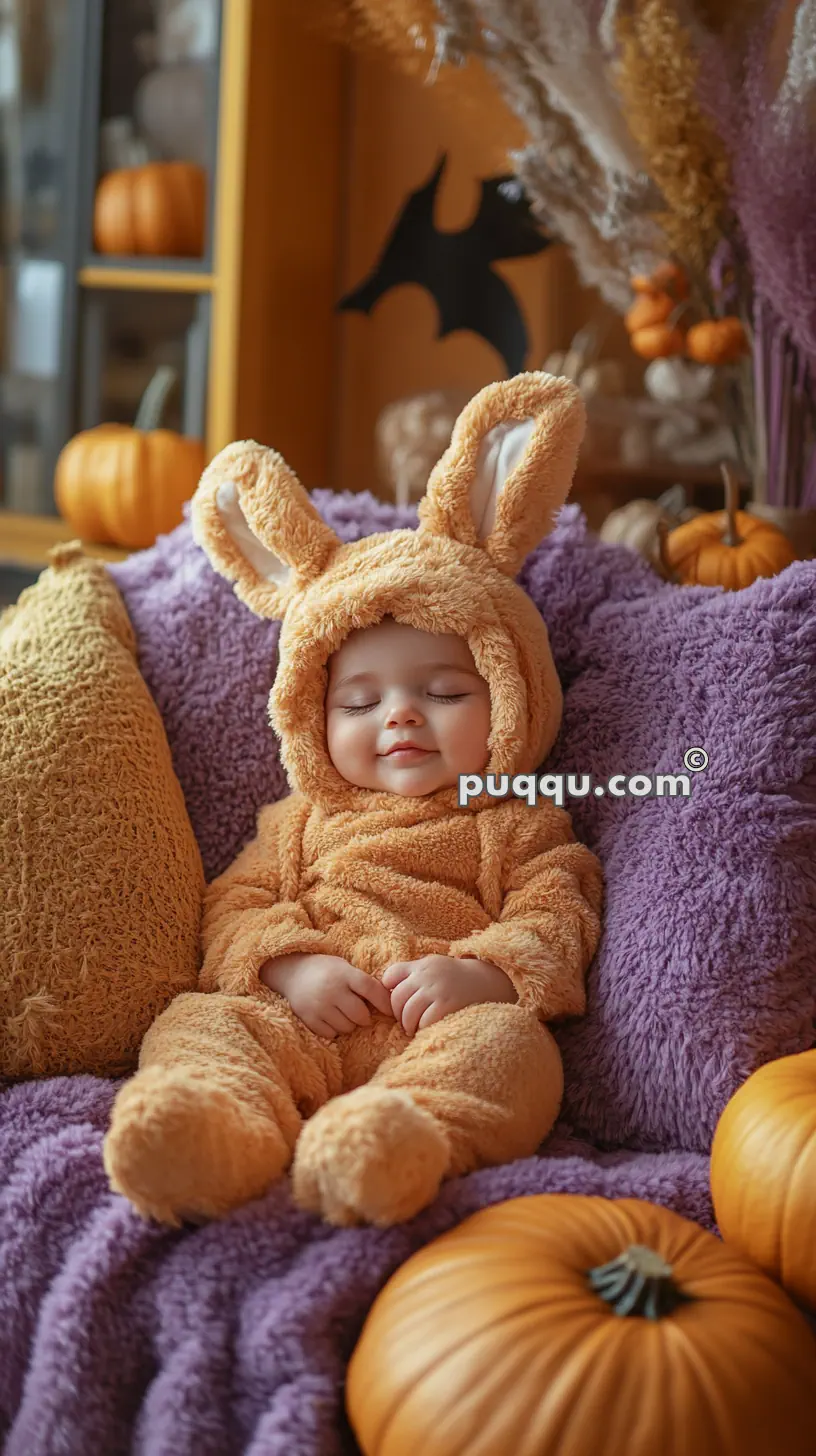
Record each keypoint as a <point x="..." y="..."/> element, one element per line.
<point x="490" y="499"/>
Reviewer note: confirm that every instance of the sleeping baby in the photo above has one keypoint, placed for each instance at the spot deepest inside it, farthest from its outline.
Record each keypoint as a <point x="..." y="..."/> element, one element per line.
<point x="381" y="961"/>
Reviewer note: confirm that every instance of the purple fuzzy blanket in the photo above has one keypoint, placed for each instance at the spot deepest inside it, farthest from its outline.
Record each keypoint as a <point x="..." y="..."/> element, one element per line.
<point x="116" y="1336"/>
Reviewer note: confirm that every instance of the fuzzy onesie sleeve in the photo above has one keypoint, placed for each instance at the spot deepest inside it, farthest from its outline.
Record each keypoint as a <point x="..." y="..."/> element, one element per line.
<point x="548" y="926"/>
<point x="248" y="918"/>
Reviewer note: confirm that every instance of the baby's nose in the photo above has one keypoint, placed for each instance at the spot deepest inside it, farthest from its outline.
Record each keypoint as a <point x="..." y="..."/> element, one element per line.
<point x="402" y="711"/>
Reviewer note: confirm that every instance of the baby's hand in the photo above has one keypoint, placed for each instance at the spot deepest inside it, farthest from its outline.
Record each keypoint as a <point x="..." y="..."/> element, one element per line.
<point x="326" y="992"/>
<point x="424" y="991"/>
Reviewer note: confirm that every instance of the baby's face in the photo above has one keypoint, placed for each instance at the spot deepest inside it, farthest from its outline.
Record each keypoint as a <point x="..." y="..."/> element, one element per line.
<point x="392" y="683"/>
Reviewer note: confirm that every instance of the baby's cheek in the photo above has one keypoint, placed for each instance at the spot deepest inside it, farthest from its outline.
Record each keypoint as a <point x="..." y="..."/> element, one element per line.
<point x="470" y="736"/>
<point x="348" y="740"/>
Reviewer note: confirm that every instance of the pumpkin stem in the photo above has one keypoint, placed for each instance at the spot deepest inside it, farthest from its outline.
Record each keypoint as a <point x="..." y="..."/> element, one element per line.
<point x="637" y="1282"/>
<point x="729" y="475"/>
<point x="153" y="401"/>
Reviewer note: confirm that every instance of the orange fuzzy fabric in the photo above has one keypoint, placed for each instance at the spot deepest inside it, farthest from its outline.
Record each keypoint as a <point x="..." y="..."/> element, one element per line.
<point x="375" y="877"/>
<point x="100" y="871"/>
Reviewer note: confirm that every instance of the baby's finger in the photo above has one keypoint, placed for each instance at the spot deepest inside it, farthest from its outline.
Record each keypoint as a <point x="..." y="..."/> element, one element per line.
<point x="322" y="1028"/>
<point x="354" y="1008"/>
<point x="416" y="1006"/>
<point x="372" y="991"/>
<point x="396" y="972"/>
<point x="429" y="1017"/>
<point x="338" y="1019"/>
<point x="400" y="996"/>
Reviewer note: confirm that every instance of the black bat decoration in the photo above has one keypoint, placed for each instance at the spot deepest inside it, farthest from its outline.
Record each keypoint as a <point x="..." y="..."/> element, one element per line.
<point x="456" y="267"/>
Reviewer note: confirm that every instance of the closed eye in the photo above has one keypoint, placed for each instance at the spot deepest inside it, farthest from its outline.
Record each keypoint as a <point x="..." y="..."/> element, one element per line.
<point x="437" y="698"/>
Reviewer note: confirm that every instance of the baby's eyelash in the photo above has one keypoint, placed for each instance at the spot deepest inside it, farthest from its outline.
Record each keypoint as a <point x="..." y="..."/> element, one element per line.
<point x="437" y="697"/>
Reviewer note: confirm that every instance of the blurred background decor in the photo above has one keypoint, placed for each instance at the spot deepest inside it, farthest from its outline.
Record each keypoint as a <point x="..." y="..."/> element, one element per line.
<point x="210" y="131"/>
<point x="638" y="524"/>
<point x="412" y="435"/>
<point x="671" y="146"/>
<point x="661" y="153"/>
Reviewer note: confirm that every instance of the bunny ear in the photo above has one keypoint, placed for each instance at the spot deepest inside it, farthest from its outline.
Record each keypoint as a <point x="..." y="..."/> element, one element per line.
<point x="508" y="468"/>
<point x="256" y="523"/>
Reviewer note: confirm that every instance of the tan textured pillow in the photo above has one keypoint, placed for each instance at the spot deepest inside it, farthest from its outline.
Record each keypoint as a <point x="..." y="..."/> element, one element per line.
<point x="100" y="875"/>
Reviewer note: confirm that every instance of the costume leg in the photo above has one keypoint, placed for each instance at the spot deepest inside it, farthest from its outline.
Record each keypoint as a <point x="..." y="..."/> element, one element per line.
<point x="483" y="1086"/>
<point x="213" y="1114"/>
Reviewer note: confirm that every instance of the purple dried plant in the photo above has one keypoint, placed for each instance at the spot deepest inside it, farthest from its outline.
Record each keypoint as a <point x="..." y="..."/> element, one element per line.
<point x="774" y="183"/>
<point x="774" y="180"/>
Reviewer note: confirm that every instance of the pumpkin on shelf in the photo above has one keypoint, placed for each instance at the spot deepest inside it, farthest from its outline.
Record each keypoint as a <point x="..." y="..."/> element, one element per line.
<point x="648" y="309"/>
<point x="654" y="320"/>
<point x="620" y="1322"/>
<point x="158" y="210"/>
<point x="658" y="324"/>
<point x="658" y="341"/>
<point x="763" y="1172"/>
<point x="724" y="548"/>
<point x="125" y="485"/>
<point x="717" y="341"/>
<point x="666" y="278"/>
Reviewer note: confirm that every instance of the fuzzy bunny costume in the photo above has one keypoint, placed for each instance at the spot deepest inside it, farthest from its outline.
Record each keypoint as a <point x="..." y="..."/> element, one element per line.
<point x="233" y="1088"/>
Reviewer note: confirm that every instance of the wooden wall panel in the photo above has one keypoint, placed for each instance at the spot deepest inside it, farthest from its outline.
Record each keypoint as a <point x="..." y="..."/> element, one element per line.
<point x="396" y="130"/>
<point x="290" y="241"/>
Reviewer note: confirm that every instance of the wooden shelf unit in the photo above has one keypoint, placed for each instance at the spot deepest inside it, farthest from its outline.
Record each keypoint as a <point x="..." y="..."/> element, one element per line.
<point x="146" y="280"/>
<point x="26" y="540"/>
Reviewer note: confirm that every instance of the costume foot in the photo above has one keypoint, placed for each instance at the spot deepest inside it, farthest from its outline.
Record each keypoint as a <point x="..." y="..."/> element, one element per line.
<point x="369" y="1156"/>
<point x="180" y="1148"/>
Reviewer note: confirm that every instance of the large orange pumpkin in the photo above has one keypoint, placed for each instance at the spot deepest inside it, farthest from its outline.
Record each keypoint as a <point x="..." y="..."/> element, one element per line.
<point x="126" y="485"/>
<point x="159" y="209"/>
<point x="763" y="1172"/>
<point x="725" y="548"/>
<point x="568" y="1326"/>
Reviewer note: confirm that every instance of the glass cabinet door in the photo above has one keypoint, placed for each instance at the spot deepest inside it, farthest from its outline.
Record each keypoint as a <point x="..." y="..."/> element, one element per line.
<point x="154" y="66"/>
<point x="88" y="87"/>
<point x="40" y="125"/>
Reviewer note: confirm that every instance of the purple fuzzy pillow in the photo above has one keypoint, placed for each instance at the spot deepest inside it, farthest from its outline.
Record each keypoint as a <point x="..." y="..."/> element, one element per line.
<point x="706" y="967"/>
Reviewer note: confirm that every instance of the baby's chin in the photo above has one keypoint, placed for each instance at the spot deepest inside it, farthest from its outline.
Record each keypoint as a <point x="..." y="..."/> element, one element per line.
<point x="417" y="783"/>
<point x="410" y="782"/>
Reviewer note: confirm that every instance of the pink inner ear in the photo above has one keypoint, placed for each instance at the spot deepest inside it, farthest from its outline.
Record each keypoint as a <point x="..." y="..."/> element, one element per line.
<point x="268" y="566"/>
<point x="501" y="450"/>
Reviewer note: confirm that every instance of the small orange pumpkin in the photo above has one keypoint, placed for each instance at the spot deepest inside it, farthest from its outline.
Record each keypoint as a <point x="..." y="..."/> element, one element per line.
<point x="763" y="1172"/>
<point x="611" y="1328"/>
<point x="124" y="485"/>
<point x="717" y="341"/>
<point x="159" y="209"/>
<point x="724" y="548"/>
<point x="648" y="309"/>
<point x="658" y="341"/>
<point x="667" y="277"/>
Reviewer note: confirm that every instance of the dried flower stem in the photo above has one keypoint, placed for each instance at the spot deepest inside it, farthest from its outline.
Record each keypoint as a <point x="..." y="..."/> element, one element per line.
<point x="657" y="79"/>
